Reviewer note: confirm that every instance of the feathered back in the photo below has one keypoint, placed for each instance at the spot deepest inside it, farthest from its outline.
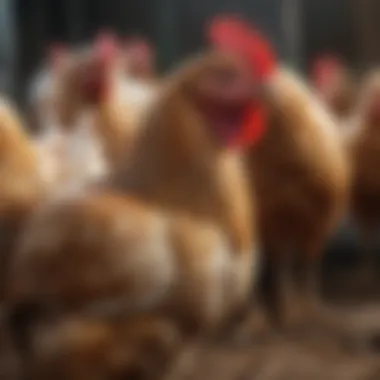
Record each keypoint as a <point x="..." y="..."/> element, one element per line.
<point x="179" y="165"/>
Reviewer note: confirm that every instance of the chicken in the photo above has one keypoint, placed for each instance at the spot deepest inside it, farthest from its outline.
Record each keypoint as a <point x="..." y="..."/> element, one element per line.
<point x="85" y="348"/>
<point x="94" y="84"/>
<point x="70" y="153"/>
<point x="42" y="90"/>
<point x="364" y="149"/>
<point x="300" y="172"/>
<point x="22" y="181"/>
<point x="336" y="87"/>
<point x="173" y="235"/>
<point x="18" y="159"/>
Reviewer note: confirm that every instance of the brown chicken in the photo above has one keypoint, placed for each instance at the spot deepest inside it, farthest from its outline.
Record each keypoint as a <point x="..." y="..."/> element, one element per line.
<point x="335" y="86"/>
<point x="21" y="179"/>
<point x="300" y="174"/>
<point x="173" y="240"/>
<point x="364" y="148"/>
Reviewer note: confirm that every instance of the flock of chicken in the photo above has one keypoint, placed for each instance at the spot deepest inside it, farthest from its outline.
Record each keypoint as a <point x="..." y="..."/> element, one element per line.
<point x="137" y="221"/>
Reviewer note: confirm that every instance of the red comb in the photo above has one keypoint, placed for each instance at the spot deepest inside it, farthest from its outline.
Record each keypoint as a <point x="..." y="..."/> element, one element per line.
<point x="57" y="52"/>
<point x="325" y="68"/>
<point x="140" y="46"/>
<point x="232" y="34"/>
<point x="106" y="45"/>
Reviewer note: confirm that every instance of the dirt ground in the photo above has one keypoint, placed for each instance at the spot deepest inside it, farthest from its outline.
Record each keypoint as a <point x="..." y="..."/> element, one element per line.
<point x="295" y="357"/>
<point x="285" y="362"/>
<point x="303" y="355"/>
<point x="306" y="351"/>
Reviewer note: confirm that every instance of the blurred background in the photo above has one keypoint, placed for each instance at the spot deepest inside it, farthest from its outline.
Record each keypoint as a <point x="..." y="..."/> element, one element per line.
<point x="300" y="28"/>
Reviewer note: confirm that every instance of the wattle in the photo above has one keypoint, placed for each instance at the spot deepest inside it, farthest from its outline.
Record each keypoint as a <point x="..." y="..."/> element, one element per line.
<point x="253" y="129"/>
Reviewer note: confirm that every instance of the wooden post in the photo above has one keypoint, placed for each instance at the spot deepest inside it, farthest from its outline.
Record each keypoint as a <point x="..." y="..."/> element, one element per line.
<point x="8" y="42"/>
<point x="167" y="32"/>
<point x="365" y="22"/>
<point x="76" y="19"/>
<point x="292" y="30"/>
